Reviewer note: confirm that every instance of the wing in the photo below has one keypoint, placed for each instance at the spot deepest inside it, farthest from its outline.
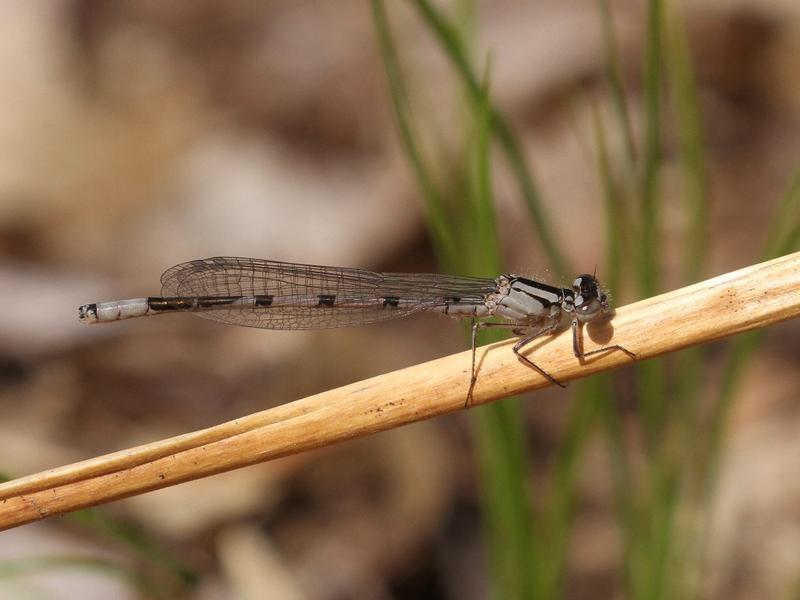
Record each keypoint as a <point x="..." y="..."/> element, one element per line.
<point x="297" y="296"/>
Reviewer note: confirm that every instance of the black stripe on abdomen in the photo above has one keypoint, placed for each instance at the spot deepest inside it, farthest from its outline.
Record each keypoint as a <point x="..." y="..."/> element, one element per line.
<point x="165" y="304"/>
<point x="212" y="301"/>
<point x="263" y="300"/>
<point x="327" y="300"/>
<point x="392" y="301"/>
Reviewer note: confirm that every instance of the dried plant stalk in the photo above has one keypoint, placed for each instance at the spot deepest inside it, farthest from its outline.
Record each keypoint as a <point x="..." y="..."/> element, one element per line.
<point x="752" y="297"/>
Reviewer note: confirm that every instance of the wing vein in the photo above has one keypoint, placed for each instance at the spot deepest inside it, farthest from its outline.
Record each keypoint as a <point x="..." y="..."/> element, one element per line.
<point x="314" y="296"/>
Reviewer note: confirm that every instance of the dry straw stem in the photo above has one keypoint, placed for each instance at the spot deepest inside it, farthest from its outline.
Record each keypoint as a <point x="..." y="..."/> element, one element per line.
<point x="733" y="303"/>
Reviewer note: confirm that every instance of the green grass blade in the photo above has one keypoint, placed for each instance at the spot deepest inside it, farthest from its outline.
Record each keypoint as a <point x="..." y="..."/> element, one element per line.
<point x="557" y="519"/>
<point x="651" y="374"/>
<point x="593" y="400"/>
<point x="500" y="448"/>
<point x="783" y="237"/>
<point x="453" y="44"/>
<point x="499" y="434"/>
<point x="689" y="364"/>
<point x="437" y="217"/>
<point x="625" y="492"/>
<point x="614" y="77"/>
<point x="471" y="227"/>
<point x="137" y="541"/>
<point x="682" y="558"/>
<point x="614" y="209"/>
<point x="692" y="148"/>
<point x="483" y="222"/>
<point x="466" y="22"/>
<point x="649" y="250"/>
<point x="783" y="234"/>
<point x="140" y="544"/>
<point x="623" y="486"/>
<point x="27" y="566"/>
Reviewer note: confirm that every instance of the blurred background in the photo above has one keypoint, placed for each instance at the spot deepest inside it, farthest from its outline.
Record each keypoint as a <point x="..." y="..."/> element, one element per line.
<point x="135" y="135"/>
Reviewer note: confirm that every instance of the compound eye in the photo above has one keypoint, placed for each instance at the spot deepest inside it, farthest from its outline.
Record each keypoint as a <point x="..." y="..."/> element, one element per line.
<point x="577" y="283"/>
<point x="588" y="311"/>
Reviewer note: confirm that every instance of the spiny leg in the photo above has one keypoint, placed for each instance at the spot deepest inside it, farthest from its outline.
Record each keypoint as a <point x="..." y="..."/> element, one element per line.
<point x="476" y="325"/>
<point x="546" y="330"/>
<point x="580" y="354"/>
<point x="473" y="376"/>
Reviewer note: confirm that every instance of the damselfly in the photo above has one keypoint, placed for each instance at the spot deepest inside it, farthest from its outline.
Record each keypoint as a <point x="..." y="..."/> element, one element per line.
<point x="276" y="295"/>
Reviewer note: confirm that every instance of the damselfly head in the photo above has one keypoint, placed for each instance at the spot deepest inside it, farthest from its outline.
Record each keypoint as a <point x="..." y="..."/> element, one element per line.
<point x="591" y="301"/>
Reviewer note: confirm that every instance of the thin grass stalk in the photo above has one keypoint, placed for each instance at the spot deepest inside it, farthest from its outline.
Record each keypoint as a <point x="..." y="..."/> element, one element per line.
<point x="441" y="234"/>
<point x="623" y="487"/>
<point x="483" y="225"/>
<point x="591" y="399"/>
<point x="686" y="557"/>
<point x="614" y="78"/>
<point x="500" y="442"/>
<point x="783" y="236"/>
<point x="29" y="566"/>
<point x="466" y="22"/>
<point x="625" y="493"/>
<point x="661" y="478"/>
<point x="135" y="541"/>
<point x="649" y="244"/>
<point x="99" y="524"/>
<point x="499" y="434"/>
<point x="557" y="518"/>
<point x="692" y="147"/>
<point x="628" y="189"/>
<point x="453" y="44"/>
<point x="651" y="374"/>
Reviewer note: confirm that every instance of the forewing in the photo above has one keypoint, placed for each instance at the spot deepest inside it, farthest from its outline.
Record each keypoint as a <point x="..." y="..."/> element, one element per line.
<point x="312" y="296"/>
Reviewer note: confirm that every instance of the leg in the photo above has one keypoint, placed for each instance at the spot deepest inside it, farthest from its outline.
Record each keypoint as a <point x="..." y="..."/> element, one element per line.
<point x="546" y="330"/>
<point x="580" y="354"/>
<point x="476" y="325"/>
<point x="473" y="375"/>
